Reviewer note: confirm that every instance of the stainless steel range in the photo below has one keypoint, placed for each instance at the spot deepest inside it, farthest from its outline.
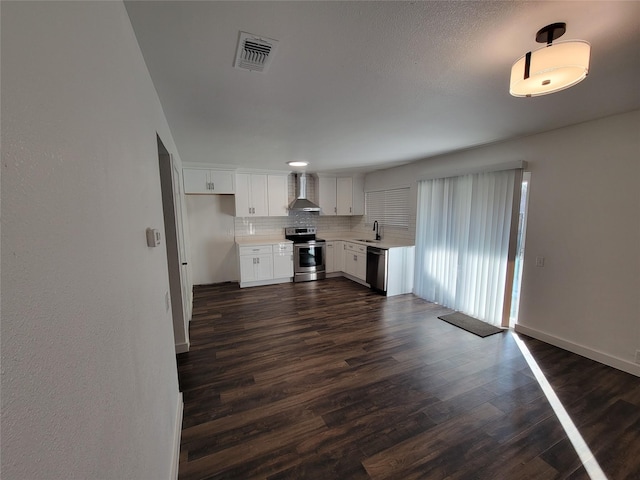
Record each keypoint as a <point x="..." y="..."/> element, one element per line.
<point x="308" y="253"/>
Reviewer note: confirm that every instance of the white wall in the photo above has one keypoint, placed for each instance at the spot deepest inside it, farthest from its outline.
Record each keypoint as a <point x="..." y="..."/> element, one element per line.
<point x="584" y="219"/>
<point x="89" y="382"/>
<point x="211" y="229"/>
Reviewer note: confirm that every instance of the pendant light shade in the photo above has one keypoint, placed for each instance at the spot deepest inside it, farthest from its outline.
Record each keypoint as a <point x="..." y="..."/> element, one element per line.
<point x="552" y="68"/>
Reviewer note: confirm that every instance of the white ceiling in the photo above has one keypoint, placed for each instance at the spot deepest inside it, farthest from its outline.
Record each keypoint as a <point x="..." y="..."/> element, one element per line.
<point x="364" y="85"/>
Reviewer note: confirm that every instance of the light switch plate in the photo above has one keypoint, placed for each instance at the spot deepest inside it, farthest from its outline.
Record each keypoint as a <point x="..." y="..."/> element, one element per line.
<point x="539" y="261"/>
<point x="153" y="237"/>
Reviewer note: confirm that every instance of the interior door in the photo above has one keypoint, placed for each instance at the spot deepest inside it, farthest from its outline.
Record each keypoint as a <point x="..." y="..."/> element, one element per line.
<point x="187" y="303"/>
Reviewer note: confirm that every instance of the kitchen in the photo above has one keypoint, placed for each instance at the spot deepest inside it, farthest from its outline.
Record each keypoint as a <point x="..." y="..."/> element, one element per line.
<point x="335" y="210"/>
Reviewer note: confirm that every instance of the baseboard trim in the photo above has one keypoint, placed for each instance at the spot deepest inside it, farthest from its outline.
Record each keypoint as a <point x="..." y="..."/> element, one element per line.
<point x="177" y="435"/>
<point x="596" y="355"/>
<point x="182" y="347"/>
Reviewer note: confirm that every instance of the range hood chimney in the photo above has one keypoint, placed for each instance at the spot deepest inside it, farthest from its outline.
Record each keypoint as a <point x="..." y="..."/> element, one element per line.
<point x="302" y="203"/>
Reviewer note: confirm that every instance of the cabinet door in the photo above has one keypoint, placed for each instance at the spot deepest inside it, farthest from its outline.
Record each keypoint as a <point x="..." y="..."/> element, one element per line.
<point x="350" y="261"/>
<point x="247" y="268"/>
<point x="282" y="265"/>
<point x="196" y="180"/>
<point x="243" y="190"/>
<point x="221" y="181"/>
<point x="327" y="195"/>
<point x="258" y="196"/>
<point x="358" y="195"/>
<point x="344" y="196"/>
<point x="278" y="191"/>
<point x="329" y="259"/>
<point x="264" y="267"/>
<point x="338" y="257"/>
<point x="361" y="266"/>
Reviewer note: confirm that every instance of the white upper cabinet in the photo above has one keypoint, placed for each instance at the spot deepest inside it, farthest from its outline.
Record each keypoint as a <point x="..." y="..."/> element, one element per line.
<point x="327" y="196"/>
<point x="251" y="195"/>
<point x="344" y="195"/>
<point x="278" y="193"/>
<point x="341" y="195"/>
<point x="208" y="181"/>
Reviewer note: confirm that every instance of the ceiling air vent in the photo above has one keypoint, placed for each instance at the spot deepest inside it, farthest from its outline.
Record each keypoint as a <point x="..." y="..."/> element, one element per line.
<point x="254" y="53"/>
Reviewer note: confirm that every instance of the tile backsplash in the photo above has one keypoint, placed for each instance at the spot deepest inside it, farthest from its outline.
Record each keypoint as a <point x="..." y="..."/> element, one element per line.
<point x="274" y="226"/>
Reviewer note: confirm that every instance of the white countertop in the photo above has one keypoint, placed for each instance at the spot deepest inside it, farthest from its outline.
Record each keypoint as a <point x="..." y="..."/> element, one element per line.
<point x="262" y="240"/>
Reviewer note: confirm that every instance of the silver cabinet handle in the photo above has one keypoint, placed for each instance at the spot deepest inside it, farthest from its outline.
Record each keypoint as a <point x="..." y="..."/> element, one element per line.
<point x="258" y="260"/>
<point x="213" y="186"/>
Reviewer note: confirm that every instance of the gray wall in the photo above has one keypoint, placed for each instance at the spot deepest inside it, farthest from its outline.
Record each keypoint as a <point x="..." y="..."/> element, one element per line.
<point x="584" y="219"/>
<point x="89" y="382"/>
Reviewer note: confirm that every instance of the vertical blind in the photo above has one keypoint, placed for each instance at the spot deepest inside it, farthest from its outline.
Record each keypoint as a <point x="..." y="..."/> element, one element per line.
<point x="462" y="242"/>
<point x="388" y="207"/>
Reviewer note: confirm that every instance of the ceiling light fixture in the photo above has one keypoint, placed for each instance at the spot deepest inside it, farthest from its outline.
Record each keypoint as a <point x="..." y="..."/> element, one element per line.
<point x="551" y="68"/>
<point x="298" y="164"/>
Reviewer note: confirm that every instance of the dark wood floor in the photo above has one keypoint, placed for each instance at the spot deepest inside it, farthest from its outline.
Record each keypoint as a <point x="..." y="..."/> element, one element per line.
<point x="327" y="380"/>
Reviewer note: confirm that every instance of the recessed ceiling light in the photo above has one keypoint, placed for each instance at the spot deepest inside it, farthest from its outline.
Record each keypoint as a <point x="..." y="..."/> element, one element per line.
<point x="298" y="164"/>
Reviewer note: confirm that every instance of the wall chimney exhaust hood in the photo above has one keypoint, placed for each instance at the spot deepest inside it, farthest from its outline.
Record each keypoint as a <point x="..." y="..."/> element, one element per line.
<point x="302" y="203"/>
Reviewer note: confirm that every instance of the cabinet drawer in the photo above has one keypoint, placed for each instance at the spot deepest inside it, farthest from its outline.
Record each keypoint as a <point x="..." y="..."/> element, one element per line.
<point x="255" y="249"/>
<point x="354" y="247"/>
<point x="283" y="248"/>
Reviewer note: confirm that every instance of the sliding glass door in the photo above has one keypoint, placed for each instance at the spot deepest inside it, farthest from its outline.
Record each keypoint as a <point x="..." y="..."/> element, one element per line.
<point x="466" y="243"/>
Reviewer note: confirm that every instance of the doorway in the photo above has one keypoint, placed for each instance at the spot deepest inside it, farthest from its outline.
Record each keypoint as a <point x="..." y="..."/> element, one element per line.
<point x="519" y="263"/>
<point x="174" y="242"/>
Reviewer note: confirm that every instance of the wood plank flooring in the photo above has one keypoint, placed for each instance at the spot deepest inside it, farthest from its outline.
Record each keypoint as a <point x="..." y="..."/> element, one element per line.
<point x="327" y="380"/>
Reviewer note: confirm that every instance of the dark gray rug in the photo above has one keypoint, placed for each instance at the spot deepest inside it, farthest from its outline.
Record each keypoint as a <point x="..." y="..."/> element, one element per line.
<point x="470" y="324"/>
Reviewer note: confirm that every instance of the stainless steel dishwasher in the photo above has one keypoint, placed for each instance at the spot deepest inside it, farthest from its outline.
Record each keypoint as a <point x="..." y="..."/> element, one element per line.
<point x="377" y="259"/>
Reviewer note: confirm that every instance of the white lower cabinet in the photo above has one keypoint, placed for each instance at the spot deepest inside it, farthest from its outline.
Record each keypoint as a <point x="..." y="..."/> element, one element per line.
<point x="338" y="257"/>
<point x="355" y="260"/>
<point x="265" y="264"/>
<point x="283" y="260"/>
<point x="256" y="263"/>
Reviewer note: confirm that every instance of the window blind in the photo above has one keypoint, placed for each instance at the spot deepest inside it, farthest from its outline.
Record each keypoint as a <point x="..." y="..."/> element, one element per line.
<point x="388" y="207"/>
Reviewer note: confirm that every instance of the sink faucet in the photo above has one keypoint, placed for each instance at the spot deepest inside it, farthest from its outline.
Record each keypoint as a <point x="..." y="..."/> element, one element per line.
<point x="376" y="228"/>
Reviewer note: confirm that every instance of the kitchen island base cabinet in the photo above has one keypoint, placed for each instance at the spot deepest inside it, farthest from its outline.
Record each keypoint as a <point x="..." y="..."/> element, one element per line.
<point x="265" y="264"/>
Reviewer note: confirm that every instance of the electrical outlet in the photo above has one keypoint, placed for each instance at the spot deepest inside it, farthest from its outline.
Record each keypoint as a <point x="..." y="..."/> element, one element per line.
<point x="638" y="357"/>
<point x="539" y="261"/>
<point x="167" y="301"/>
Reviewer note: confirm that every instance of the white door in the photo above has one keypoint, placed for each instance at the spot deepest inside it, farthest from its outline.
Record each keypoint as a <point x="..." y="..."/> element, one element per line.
<point x="243" y="195"/>
<point x="327" y="195"/>
<point x="278" y="195"/>
<point x="248" y="268"/>
<point x="182" y="252"/>
<point x="196" y="180"/>
<point x="264" y="267"/>
<point x="258" y="195"/>
<point x="344" y="195"/>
